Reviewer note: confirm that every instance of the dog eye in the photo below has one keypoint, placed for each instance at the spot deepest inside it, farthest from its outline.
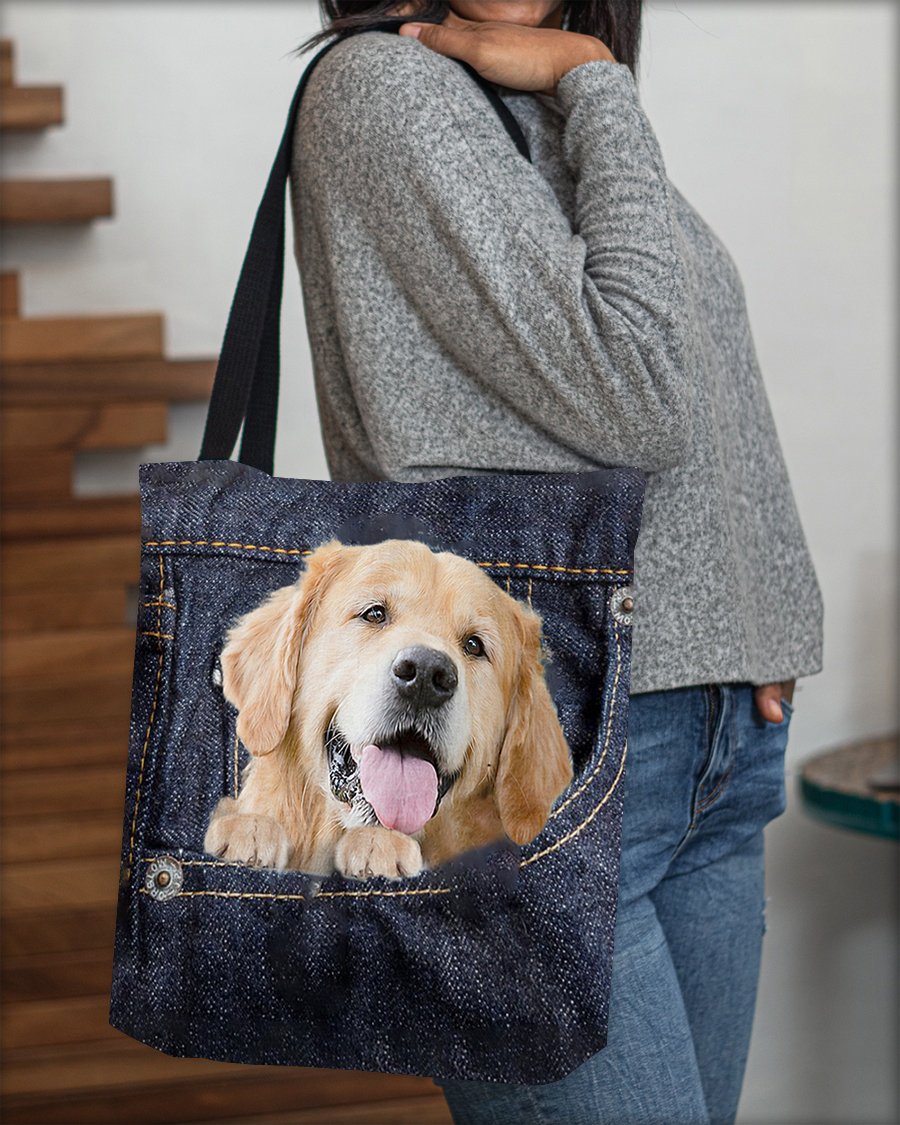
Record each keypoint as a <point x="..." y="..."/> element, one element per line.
<point x="474" y="646"/>
<point x="377" y="614"/>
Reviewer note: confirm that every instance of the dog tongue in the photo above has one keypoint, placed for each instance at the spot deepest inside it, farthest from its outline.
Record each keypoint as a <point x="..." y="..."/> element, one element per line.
<point x="402" y="789"/>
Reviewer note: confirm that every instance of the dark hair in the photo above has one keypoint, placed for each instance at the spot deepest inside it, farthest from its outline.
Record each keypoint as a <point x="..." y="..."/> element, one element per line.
<point x="617" y="23"/>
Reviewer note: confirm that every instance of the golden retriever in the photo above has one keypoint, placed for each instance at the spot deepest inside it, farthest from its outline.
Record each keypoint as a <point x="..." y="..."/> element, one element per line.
<point x="394" y="703"/>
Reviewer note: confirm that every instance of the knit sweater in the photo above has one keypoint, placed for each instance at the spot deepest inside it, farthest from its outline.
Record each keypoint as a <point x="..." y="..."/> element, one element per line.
<point x="469" y="311"/>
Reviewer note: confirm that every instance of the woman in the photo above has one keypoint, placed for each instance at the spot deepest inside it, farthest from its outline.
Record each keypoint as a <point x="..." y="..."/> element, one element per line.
<point x="469" y="312"/>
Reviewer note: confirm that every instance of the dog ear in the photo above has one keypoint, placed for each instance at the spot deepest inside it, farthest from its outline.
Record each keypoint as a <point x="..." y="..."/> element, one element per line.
<point x="262" y="652"/>
<point x="535" y="764"/>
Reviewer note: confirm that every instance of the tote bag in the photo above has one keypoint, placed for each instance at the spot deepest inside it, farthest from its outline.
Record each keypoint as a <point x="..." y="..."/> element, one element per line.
<point x="448" y="949"/>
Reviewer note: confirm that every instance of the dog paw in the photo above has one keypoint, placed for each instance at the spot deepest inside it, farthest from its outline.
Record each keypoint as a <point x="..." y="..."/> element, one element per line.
<point x="247" y="838"/>
<point x="364" y="852"/>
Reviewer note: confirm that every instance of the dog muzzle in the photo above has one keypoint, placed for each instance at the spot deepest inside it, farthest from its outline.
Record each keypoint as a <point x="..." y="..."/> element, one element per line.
<point x="394" y="784"/>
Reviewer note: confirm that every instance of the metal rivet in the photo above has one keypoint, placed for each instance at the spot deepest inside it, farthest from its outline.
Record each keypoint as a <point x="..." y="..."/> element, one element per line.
<point x="216" y="674"/>
<point x="164" y="878"/>
<point x="621" y="604"/>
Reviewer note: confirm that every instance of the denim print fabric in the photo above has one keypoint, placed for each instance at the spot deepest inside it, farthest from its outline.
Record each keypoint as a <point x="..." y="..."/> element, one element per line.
<point x="705" y="776"/>
<point x="495" y="966"/>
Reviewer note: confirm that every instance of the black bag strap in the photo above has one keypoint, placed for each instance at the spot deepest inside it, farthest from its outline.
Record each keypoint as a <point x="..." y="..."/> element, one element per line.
<point x="247" y="374"/>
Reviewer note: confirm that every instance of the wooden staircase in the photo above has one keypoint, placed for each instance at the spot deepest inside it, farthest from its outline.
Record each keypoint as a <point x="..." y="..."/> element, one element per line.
<point x="69" y="565"/>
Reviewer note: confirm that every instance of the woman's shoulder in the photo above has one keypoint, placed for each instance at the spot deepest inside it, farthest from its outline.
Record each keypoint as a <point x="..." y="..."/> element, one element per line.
<point x="375" y="72"/>
<point x="381" y="81"/>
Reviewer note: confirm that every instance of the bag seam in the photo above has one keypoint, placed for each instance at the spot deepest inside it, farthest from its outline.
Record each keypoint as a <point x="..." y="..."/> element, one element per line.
<point x="221" y="543"/>
<point x="160" y="636"/>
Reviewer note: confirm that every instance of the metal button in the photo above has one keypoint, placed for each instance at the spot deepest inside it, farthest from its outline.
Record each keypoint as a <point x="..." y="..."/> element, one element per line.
<point x="216" y="673"/>
<point x="164" y="878"/>
<point x="621" y="604"/>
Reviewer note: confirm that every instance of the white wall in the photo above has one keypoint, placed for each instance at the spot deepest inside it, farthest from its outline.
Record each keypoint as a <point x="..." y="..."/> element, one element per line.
<point x="776" y="120"/>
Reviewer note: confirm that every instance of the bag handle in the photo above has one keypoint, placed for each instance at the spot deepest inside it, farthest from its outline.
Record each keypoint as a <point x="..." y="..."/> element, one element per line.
<point x="245" y="389"/>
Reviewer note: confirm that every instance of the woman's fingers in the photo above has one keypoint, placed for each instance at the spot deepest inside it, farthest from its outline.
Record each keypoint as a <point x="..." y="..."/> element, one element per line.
<point x="453" y="36"/>
<point x="768" y="702"/>
<point x="513" y="55"/>
<point x="768" y="699"/>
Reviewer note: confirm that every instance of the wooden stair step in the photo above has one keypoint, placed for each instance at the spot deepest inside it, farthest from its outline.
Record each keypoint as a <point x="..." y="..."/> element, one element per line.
<point x="9" y="294"/>
<point x="55" y="931"/>
<point x="89" y="789"/>
<point x="55" y="745"/>
<point x="76" y="339"/>
<point x="74" y="673"/>
<point x="31" y="838"/>
<point x="37" y="977"/>
<point x="39" y="565"/>
<point x="31" y="107"/>
<point x="7" y="69"/>
<point x="102" y="572"/>
<point x="37" y="478"/>
<point x="184" y="380"/>
<point x="75" y="517"/>
<point x="123" y="1062"/>
<point x="61" y="884"/>
<point x="55" y="201"/>
<point x="120" y="1061"/>
<point x="106" y="699"/>
<point x="113" y="425"/>
<point x="67" y="662"/>
<point x="84" y="609"/>
<point x="43" y="1023"/>
<point x="151" y="1104"/>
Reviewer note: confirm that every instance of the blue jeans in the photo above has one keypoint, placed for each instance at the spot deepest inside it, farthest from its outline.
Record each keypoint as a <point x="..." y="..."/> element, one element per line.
<point x="704" y="775"/>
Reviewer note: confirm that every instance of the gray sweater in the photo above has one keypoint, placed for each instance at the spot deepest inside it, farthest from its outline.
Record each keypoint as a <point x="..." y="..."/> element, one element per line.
<point x="468" y="311"/>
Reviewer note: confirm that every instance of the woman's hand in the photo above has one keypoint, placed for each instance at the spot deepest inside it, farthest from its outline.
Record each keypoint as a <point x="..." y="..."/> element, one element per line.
<point x="768" y="699"/>
<point x="522" y="58"/>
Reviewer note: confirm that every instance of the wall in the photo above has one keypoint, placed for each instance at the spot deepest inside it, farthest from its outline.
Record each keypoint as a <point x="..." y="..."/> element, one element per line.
<point x="776" y="121"/>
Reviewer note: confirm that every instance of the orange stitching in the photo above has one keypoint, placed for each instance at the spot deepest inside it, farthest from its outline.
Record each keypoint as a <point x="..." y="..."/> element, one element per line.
<point x="137" y="797"/>
<point x="161" y="596"/>
<point x="168" y="605"/>
<point x="196" y="862"/>
<point x="222" y="543"/>
<point x="612" y="703"/>
<point x="578" y="827"/>
<point x="562" y="569"/>
<point x="320" y="894"/>
<point x="309" y="551"/>
<point x="231" y="894"/>
<point x="159" y="668"/>
<point x="162" y="636"/>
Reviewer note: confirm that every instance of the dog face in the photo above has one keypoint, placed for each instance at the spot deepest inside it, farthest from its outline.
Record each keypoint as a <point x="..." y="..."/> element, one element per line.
<point x="415" y="666"/>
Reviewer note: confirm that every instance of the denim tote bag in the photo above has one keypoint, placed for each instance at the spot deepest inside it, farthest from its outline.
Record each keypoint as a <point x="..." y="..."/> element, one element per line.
<point x="374" y="787"/>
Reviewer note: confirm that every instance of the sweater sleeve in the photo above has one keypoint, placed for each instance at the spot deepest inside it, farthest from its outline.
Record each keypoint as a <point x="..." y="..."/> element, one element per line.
<point x="581" y="331"/>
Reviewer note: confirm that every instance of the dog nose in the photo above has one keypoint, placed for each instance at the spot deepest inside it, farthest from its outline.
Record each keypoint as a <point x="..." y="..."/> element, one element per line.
<point x="424" y="676"/>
